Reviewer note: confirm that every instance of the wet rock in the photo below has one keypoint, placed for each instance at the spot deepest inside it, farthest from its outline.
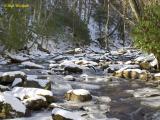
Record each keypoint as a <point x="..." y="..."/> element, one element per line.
<point x="146" y="92"/>
<point x="10" y="107"/>
<point x="80" y="95"/>
<point x="9" y="77"/>
<point x="25" y="93"/>
<point x="31" y="65"/>
<point x="61" y="114"/>
<point x="133" y="74"/>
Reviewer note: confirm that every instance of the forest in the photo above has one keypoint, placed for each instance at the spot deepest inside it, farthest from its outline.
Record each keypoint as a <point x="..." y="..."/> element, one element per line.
<point x="79" y="59"/>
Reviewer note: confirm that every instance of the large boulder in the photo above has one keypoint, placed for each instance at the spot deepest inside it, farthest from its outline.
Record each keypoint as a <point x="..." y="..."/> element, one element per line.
<point x="61" y="114"/>
<point x="10" y="106"/>
<point x="9" y="77"/>
<point x="80" y="95"/>
<point x="34" y="98"/>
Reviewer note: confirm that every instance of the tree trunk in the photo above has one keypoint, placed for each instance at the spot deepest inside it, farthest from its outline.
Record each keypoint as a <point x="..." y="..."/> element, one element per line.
<point x="135" y="8"/>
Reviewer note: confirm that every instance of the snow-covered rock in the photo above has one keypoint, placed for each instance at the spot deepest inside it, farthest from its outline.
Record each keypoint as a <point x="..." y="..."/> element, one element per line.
<point x="61" y="114"/>
<point x="133" y="74"/>
<point x="36" y="102"/>
<point x="10" y="106"/>
<point x="9" y="77"/>
<point x="32" y="65"/>
<point x="71" y="67"/>
<point x="81" y="95"/>
<point x="32" y="82"/>
<point x="157" y="76"/>
<point x="147" y="61"/>
<point x="23" y="93"/>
